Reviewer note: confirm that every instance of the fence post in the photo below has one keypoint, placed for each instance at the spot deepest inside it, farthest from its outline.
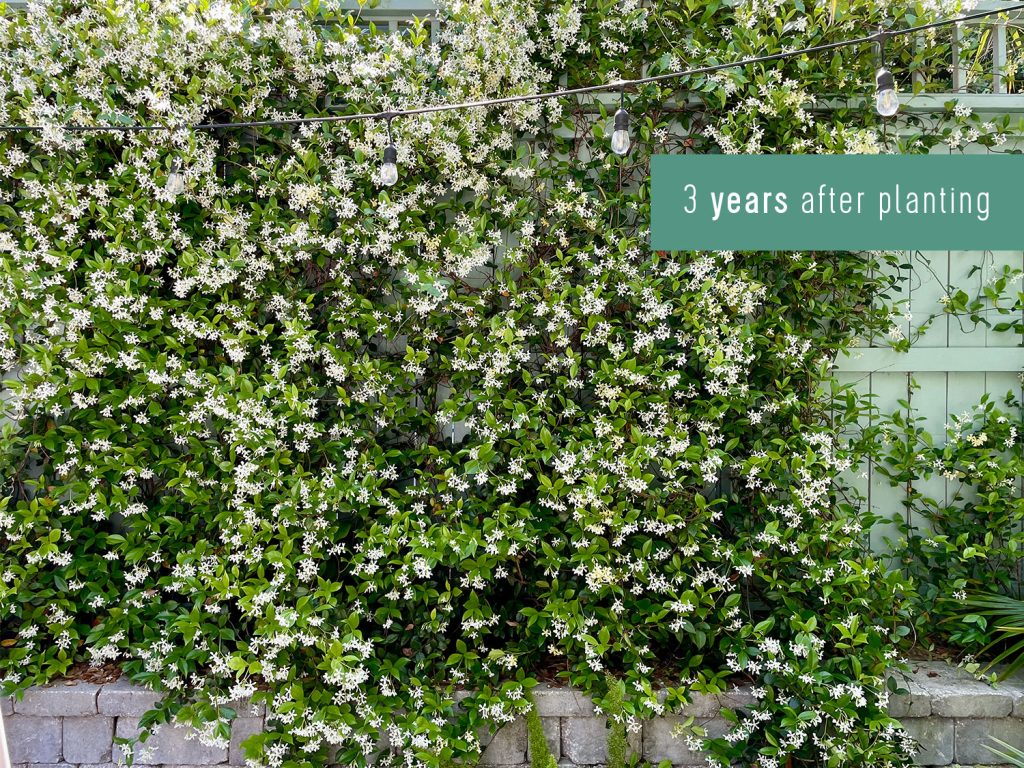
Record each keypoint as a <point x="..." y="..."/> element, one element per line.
<point x="959" y="73"/>
<point x="999" y="56"/>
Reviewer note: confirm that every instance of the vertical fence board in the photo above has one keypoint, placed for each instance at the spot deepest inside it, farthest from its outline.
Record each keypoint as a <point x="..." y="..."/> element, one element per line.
<point x="887" y="501"/>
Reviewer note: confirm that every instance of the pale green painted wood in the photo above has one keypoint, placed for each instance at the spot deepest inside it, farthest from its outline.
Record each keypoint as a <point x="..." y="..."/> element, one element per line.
<point x="964" y="392"/>
<point x="959" y="71"/>
<point x="885" y="500"/>
<point x="1000" y="384"/>
<point x="999" y="260"/>
<point x="952" y="361"/>
<point x="928" y="288"/>
<point x="929" y="361"/>
<point x="965" y="268"/>
<point x="929" y="403"/>
<point x="933" y="359"/>
<point x="854" y="480"/>
<point x="393" y="7"/>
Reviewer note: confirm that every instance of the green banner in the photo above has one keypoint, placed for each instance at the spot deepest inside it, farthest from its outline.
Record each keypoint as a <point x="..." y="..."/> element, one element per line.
<point x="837" y="202"/>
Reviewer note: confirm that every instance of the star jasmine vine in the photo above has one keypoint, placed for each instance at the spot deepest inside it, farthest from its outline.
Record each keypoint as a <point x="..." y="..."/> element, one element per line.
<point x="379" y="455"/>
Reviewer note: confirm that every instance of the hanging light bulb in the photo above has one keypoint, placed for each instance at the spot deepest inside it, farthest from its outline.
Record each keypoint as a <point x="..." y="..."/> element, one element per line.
<point x="175" y="179"/>
<point x="887" y="101"/>
<point x="620" y="136"/>
<point x="389" y="170"/>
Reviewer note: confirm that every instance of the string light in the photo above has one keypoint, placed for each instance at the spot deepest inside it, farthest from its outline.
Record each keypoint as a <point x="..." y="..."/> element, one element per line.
<point x="389" y="168"/>
<point x="412" y="111"/>
<point x="620" y="136"/>
<point x="175" y="179"/>
<point x="887" y="101"/>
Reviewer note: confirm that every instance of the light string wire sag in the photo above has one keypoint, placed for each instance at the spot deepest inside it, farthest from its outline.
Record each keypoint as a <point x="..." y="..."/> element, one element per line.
<point x="619" y="85"/>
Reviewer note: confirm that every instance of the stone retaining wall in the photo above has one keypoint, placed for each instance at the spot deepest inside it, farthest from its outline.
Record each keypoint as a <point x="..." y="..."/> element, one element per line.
<point x="74" y="724"/>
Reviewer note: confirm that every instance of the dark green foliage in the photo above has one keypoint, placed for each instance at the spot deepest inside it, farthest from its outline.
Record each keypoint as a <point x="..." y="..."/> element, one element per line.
<point x="355" y="449"/>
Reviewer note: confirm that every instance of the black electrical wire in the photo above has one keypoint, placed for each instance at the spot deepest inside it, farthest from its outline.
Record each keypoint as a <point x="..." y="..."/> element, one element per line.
<point x="388" y="115"/>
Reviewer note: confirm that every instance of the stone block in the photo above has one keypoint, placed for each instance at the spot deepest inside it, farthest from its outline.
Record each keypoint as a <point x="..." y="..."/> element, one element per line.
<point x="172" y="745"/>
<point x="917" y="702"/>
<point x="552" y="735"/>
<point x="59" y="700"/>
<point x="241" y="729"/>
<point x="706" y="705"/>
<point x="124" y="699"/>
<point x="561" y="702"/>
<point x="507" y="746"/>
<point x="947" y="711"/>
<point x="33" y="739"/>
<point x="247" y="708"/>
<point x="659" y="743"/>
<point x="88" y="739"/>
<point x="955" y="692"/>
<point x="1015" y="688"/>
<point x="934" y="736"/>
<point x="972" y="736"/>
<point x="970" y="704"/>
<point x="6" y="705"/>
<point x="926" y="671"/>
<point x="585" y="740"/>
<point x="710" y="705"/>
<point x="736" y="698"/>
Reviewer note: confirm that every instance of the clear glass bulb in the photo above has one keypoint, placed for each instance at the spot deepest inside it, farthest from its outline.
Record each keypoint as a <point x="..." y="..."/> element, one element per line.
<point x="887" y="102"/>
<point x="620" y="142"/>
<point x="388" y="174"/>
<point x="175" y="182"/>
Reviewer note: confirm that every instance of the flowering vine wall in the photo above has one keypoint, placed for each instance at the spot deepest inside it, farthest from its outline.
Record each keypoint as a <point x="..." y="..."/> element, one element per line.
<point x="352" y="448"/>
